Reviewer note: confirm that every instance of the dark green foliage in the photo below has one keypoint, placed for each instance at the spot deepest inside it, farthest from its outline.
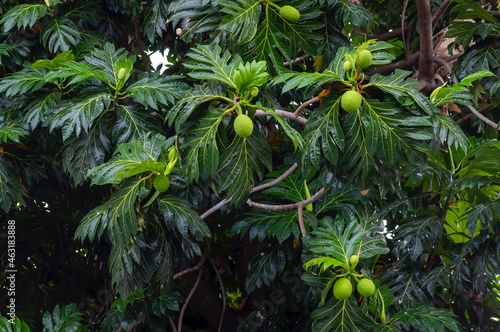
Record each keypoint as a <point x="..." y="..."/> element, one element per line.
<point x="252" y="232"/>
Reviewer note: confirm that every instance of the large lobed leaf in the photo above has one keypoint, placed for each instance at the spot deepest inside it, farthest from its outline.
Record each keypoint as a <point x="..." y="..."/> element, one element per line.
<point x="66" y="318"/>
<point x="240" y="163"/>
<point x="241" y="19"/>
<point x="203" y="156"/>
<point x="266" y="267"/>
<point x="60" y="34"/>
<point x="341" y="316"/>
<point x="128" y="157"/>
<point x="207" y="63"/>
<point x="78" y="115"/>
<point x="22" y="16"/>
<point x="11" y="190"/>
<point x="156" y="92"/>
<point x="181" y="215"/>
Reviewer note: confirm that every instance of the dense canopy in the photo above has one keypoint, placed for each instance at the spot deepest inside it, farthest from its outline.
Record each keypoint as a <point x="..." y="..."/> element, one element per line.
<point x="365" y="150"/>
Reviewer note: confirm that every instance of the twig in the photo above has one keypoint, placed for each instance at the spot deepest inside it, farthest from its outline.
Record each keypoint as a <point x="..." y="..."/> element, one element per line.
<point x="439" y="12"/>
<point x="191" y="269"/>
<point x="255" y="189"/>
<point x="300" y="58"/>
<point x="216" y="207"/>
<point x="275" y="181"/>
<point x="305" y="104"/>
<point x="299" y="206"/>
<point x="285" y="114"/>
<point x="171" y="323"/>
<point x="479" y="115"/>
<point x="188" y="298"/>
<point x="483" y="118"/>
<point x="481" y="110"/>
<point x="223" y="291"/>
<point x="300" y="211"/>
<point x="287" y="207"/>
<point x="393" y="34"/>
<point x="403" y="35"/>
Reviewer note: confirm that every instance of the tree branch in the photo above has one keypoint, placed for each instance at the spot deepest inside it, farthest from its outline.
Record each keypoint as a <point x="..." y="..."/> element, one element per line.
<point x="287" y="207"/>
<point x="255" y="189"/>
<point x="223" y="295"/>
<point x="277" y="180"/>
<point x="305" y="104"/>
<point x="483" y="118"/>
<point x="138" y="39"/>
<point x="439" y="12"/>
<point x="188" y="298"/>
<point x="191" y="269"/>
<point x="403" y="35"/>
<point x="481" y="110"/>
<point x="285" y="114"/>
<point x="426" y="58"/>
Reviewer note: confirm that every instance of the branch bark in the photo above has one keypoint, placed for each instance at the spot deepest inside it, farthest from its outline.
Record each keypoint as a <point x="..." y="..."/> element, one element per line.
<point x="426" y="58"/>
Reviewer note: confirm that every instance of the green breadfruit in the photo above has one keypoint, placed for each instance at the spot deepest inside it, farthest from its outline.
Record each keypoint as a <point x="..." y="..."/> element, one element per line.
<point x="351" y="101"/>
<point x="243" y="125"/>
<point x="289" y="13"/>
<point x="342" y="289"/>
<point x="366" y="287"/>
<point x="365" y="59"/>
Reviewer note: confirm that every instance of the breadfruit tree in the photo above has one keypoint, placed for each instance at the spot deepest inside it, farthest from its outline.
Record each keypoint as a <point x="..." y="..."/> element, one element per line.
<point x="323" y="165"/>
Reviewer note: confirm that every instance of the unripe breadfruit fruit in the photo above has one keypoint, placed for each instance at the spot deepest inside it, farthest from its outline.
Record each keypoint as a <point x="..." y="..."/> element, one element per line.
<point x="254" y="91"/>
<point x="243" y="125"/>
<point x="366" y="287"/>
<point x="347" y="65"/>
<point x="350" y="101"/>
<point x="342" y="289"/>
<point x="121" y="73"/>
<point x="161" y="183"/>
<point x="364" y="59"/>
<point x="289" y="13"/>
<point x="354" y="260"/>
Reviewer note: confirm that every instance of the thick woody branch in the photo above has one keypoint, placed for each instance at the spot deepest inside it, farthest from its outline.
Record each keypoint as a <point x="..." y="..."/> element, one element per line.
<point x="299" y="206"/>
<point x="439" y="12"/>
<point x="426" y="59"/>
<point x="287" y="207"/>
<point x="305" y="104"/>
<point x="255" y="189"/>
<point x="188" y="298"/>
<point x="285" y="114"/>
<point x="483" y="118"/>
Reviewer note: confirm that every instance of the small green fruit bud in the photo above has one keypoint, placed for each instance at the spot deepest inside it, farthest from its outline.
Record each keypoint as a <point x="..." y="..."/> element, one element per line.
<point x="289" y="13"/>
<point x="364" y="59"/>
<point x="122" y="73"/>
<point x="161" y="183"/>
<point x="354" y="260"/>
<point x="347" y="65"/>
<point x="254" y="91"/>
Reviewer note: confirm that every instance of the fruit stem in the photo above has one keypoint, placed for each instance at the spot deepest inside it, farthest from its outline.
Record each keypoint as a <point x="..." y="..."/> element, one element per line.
<point x="274" y="5"/>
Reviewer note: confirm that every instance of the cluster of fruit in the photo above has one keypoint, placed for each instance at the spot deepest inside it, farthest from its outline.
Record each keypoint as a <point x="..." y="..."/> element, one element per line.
<point x="351" y="100"/>
<point x="342" y="288"/>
